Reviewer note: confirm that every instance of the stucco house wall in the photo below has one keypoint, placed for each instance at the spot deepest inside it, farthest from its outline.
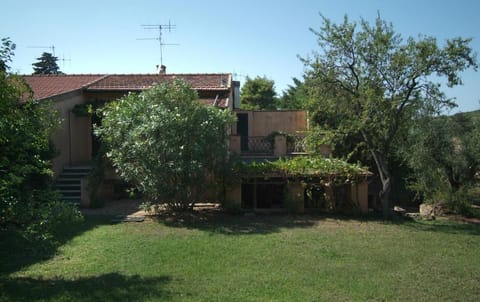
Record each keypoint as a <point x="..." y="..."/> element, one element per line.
<point x="73" y="138"/>
<point x="263" y="123"/>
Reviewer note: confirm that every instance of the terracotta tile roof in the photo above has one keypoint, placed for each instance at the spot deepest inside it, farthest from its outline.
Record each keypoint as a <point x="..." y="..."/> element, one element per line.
<point x="46" y="86"/>
<point x="220" y="102"/>
<point x="143" y="81"/>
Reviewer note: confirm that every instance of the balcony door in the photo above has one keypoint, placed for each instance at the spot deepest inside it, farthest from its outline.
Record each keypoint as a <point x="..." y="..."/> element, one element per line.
<point x="242" y="130"/>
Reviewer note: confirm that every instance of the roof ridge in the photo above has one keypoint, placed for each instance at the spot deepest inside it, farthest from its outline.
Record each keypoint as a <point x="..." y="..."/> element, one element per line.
<point x="94" y="81"/>
<point x="167" y="74"/>
<point x="63" y="74"/>
<point x="126" y="74"/>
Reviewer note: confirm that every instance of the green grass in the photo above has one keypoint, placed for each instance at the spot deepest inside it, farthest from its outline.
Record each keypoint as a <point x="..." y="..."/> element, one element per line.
<point x="235" y="258"/>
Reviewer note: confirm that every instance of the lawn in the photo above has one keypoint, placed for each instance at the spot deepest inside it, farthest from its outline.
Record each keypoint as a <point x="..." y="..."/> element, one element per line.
<point x="214" y="257"/>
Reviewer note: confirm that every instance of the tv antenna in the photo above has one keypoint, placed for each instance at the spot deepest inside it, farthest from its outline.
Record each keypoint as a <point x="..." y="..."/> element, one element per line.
<point x="237" y="75"/>
<point x="160" y="28"/>
<point x="52" y="48"/>
<point x="63" y="60"/>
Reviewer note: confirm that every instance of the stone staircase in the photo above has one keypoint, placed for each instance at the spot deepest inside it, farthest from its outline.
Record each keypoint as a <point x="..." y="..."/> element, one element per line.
<point x="69" y="182"/>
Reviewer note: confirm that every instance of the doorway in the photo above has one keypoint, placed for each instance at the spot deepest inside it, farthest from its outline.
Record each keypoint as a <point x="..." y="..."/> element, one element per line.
<point x="242" y="130"/>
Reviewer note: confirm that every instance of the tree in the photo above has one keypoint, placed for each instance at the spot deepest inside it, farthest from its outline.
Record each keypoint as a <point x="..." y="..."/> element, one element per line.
<point x="294" y="97"/>
<point x="47" y="64"/>
<point x="166" y="143"/>
<point x="258" y="93"/>
<point x="28" y="201"/>
<point x="371" y="83"/>
<point x="444" y="155"/>
<point x="6" y="54"/>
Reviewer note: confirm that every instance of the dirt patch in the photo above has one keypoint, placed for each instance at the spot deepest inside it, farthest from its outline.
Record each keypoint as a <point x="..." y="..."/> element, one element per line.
<point x="126" y="207"/>
<point x="131" y="208"/>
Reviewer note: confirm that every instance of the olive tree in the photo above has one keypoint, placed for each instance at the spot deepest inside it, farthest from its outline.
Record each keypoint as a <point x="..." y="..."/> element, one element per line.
<point x="369" y="83"/>
<point x="166" y="143"/>
<point x="444" y="156"/>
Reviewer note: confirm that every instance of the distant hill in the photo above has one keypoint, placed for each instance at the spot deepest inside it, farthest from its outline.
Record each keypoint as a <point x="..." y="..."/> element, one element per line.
<point x="472" y="114"/>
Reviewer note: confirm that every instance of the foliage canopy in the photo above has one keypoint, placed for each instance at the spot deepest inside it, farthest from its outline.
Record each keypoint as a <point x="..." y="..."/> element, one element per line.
<point x="444" y="155"/>
<point x="366" y="84"/>
<point x="295" y="97"/>
<point x="28" y="201"/>
<point x="258" y="93"/>
<point x="47" y="64"/>
<point x="166" y="143"/>
<point x="6" y="53"/>
<point x="326" y="169"/>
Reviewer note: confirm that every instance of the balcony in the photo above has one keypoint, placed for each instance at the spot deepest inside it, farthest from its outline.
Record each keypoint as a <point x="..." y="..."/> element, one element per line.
<point x="267" y="146"/>
<point x="256" y="145"/>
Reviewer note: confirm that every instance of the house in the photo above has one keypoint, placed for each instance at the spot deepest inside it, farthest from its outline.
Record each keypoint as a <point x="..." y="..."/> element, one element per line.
<point x="74" y="139"/>
<point x="257" y="135"/>
<point x="271" y="135"/>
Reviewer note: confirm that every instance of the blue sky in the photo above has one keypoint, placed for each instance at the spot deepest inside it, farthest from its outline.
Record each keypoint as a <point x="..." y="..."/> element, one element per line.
<point x="242" y="37"/>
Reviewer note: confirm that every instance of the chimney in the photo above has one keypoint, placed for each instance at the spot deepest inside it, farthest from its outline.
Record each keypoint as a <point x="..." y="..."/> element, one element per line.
<point x="163" y="69"/>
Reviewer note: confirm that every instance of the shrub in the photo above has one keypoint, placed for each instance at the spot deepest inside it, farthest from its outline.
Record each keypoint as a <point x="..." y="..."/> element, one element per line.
<point x="28" y="201"/>
<point x="166" y="143"/>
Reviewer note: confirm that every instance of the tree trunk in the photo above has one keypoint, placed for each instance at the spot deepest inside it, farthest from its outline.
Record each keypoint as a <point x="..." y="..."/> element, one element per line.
<point x="380" y="158"/>
<point x="386" y="179"/>
<point x="385" y="196"/>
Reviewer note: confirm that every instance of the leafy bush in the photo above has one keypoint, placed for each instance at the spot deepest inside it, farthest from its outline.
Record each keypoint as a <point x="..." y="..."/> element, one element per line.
<point x="166" y="143"/>
<point x="95" y="178"/>
<point x="28" y="201"/>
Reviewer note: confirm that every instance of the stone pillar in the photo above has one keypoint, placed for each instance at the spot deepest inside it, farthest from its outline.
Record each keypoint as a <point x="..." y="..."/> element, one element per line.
<point x="280" y="145"/>
<point x="360" y="196"/>
<point x="294" y="199"/>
